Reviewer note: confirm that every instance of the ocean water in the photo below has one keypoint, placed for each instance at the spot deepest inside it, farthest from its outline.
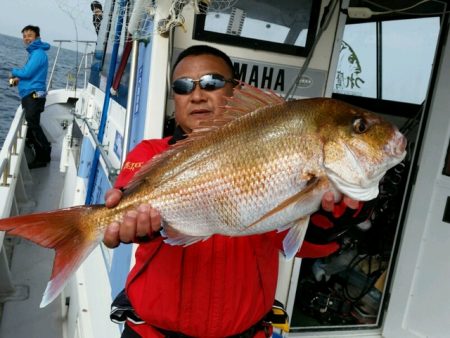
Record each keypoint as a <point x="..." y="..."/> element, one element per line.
<point x="13" y="54"/>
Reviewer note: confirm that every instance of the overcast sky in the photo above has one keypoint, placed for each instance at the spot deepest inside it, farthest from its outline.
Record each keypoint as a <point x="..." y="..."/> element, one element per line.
<point x="54" y="17"/>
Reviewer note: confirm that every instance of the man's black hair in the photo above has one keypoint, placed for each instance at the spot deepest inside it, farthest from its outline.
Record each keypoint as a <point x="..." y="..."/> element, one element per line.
<point x="96" y="5"/>
<point x="202" y="50"/>
<point x="35" y="29"/>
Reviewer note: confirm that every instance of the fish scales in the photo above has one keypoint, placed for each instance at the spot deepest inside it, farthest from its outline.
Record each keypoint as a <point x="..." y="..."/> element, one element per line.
<point x="233" y="179"/>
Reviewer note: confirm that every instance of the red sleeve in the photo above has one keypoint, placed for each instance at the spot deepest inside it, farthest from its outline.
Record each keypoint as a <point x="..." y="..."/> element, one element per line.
<point x="142" y="153"/>
<point x="311" y="250"/>
<point x="325" y="229"/>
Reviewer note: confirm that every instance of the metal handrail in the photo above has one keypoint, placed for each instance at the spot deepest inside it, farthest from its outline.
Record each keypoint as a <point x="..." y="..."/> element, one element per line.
<point x="111" y="169"/>
<point x="15" y="132"/>
<point x="10" y="146"/>
<point x="130" y="100"/>
<point x="7" y="170"/>
<point x="87" y="43"/>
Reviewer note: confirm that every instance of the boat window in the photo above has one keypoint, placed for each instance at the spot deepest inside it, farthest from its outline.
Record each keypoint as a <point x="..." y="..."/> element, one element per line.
<point x="407" y="58"/>
<point x="287" y="26"/>
<point x="357" y="66"/>
<point x="388" y="60"/>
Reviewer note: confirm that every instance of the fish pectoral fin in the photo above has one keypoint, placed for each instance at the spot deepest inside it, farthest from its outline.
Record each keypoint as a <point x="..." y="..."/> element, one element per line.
<point x="174" y="237"/>
<point x="295" y="236"/>
<point x="184" y="240"/>
<point x="296" y="198"/>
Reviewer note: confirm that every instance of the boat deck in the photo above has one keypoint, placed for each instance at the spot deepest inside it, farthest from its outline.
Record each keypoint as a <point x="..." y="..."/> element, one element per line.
<point x="30" y="264"/>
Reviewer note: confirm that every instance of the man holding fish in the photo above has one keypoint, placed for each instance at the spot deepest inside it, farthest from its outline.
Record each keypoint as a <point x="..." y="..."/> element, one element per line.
<point x="216" y="285"/>
<point x="226" y="199"/>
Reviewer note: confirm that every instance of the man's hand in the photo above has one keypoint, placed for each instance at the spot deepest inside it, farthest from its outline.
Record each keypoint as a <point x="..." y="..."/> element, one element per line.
<point x="140" y="223"/>
<point x="13" y="81"/>
<point x="329" y="200"/>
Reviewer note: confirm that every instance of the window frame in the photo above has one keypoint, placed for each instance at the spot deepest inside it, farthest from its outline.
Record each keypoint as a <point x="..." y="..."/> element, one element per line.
<point x="199" y="33"/>
<point x="378" y="104"/>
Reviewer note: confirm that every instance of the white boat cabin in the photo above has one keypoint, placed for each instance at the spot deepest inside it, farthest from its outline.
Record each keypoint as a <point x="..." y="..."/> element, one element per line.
<point x="390" y="277"/>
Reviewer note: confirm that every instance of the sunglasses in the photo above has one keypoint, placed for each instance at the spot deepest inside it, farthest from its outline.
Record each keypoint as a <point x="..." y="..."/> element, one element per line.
<point x="208" y="82"/>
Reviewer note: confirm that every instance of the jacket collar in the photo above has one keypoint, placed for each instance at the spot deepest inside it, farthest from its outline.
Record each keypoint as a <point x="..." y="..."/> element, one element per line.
<point x="178" y="135"/>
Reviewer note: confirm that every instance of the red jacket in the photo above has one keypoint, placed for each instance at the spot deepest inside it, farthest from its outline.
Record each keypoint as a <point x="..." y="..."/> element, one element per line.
<point x="216" y="288"/>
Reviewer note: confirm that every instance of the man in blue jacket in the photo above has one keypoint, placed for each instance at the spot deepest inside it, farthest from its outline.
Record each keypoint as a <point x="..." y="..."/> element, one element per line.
<point x="31" y="80"/>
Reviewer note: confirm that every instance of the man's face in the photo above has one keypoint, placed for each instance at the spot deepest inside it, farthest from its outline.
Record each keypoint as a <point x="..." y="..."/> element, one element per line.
<point x="200" y="104"/>
<point x="28" y="37"/>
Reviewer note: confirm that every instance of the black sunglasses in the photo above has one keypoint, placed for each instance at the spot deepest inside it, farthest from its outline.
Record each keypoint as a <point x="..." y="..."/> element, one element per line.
<point x="209" y="82"/>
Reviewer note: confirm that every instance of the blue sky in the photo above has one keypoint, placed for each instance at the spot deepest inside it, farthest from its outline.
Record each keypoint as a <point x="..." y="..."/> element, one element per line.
<point x="56" y="18"/>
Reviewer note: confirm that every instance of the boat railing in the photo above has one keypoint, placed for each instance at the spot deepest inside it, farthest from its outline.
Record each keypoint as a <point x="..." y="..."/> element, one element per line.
<point x="112" y="170"/>
<point x="83" y="65"/>
<point x="10" y="147"/>
<point x="13" y="169"/>
<point x="10" y="176"/>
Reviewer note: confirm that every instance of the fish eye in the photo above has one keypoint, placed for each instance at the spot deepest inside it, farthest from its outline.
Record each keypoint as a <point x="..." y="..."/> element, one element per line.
<point x="360" y="125"/>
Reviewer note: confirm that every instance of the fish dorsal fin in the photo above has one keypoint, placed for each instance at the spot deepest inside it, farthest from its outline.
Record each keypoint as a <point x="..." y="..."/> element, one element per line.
<point x="246" y="99"/>
<point x="146" y="168"/>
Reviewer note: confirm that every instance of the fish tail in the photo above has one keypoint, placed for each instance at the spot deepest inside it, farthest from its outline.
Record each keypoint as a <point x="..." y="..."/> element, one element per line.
<point x="63" y="231"/>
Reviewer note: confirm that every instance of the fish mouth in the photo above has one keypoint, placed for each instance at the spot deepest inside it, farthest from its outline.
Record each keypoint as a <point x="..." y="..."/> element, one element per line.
<point x="401" y="148"/>
<point x="364" y="186"/>
<point x="397" y="146"/>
